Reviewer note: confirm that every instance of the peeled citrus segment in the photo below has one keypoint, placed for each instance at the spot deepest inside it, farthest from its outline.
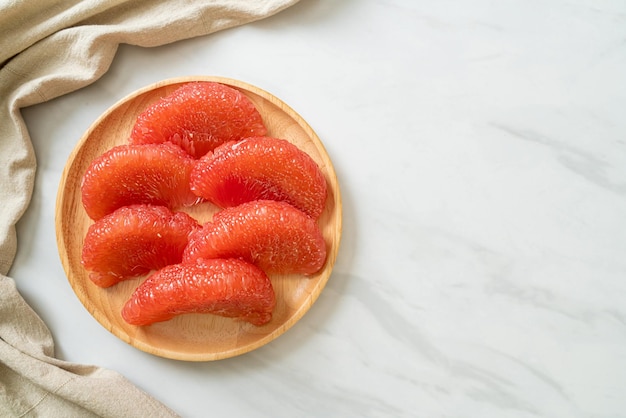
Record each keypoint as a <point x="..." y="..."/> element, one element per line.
<point x="134" y="240"/>
<point x="230" y="288"/>
<point x="273" y="235"/>
<point x="156" y="174"/>
<point x="198" y="117"/>
<point x="260" y="168"/>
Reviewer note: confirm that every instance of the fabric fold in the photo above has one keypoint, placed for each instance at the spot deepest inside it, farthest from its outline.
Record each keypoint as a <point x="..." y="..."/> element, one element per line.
<point x="48" y="49"/>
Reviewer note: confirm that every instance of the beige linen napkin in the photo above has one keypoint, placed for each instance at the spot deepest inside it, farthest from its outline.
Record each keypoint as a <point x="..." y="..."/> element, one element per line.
<point x="49" y="48"/>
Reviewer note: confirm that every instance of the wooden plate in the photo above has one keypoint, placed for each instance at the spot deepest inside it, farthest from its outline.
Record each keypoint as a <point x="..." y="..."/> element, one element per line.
<point x="190" y="337"/>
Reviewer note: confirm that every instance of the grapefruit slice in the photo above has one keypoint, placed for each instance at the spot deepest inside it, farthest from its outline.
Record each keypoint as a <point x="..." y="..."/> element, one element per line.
<point x="198" y="117"/>
<point x="156" y="174"/>
<point x="134" y="240"/>
<point x="274" y="236"/>
<point x="260" y="168"/>
<point x="225" y="287"/>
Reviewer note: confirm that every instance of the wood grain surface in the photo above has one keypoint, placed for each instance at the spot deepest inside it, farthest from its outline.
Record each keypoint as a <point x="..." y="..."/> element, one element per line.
<point x="190" y="337"/>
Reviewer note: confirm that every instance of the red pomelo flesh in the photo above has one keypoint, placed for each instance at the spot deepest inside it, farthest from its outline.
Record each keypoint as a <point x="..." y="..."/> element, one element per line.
<point x="134" y="240"/>
<point x="226" y="287"/>
<point x="273" y="235"/>
<point x="156" y="174"/>
<point x="198" y="117"/>
<point x="260" y="168"/>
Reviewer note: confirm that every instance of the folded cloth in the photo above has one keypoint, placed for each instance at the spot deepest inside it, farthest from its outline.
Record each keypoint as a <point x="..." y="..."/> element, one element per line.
<point x="49" y="48"/>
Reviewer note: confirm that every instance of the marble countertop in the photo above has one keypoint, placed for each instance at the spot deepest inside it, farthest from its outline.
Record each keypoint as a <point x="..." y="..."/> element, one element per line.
<point x="481" y="151"/>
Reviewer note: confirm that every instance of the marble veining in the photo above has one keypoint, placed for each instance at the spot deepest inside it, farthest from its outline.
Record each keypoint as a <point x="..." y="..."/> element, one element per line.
<point x="480" y="148"/>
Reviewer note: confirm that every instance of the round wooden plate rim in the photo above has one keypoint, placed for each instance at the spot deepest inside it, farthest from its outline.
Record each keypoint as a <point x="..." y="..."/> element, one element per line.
<point x="63" y="231"/>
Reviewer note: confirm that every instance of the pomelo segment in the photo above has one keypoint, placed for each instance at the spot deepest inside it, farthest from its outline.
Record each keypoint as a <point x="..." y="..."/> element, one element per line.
<point x="275" y="236"/>
<point x="199" y="116"/>
<point x="134" y="240"/>
<point x="230" y="288"/>
<point x="260" y="168"/>
<point x="157" y="174"/>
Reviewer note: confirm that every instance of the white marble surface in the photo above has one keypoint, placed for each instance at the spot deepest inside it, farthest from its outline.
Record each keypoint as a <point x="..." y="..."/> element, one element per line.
<point x="481" y="151"/>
